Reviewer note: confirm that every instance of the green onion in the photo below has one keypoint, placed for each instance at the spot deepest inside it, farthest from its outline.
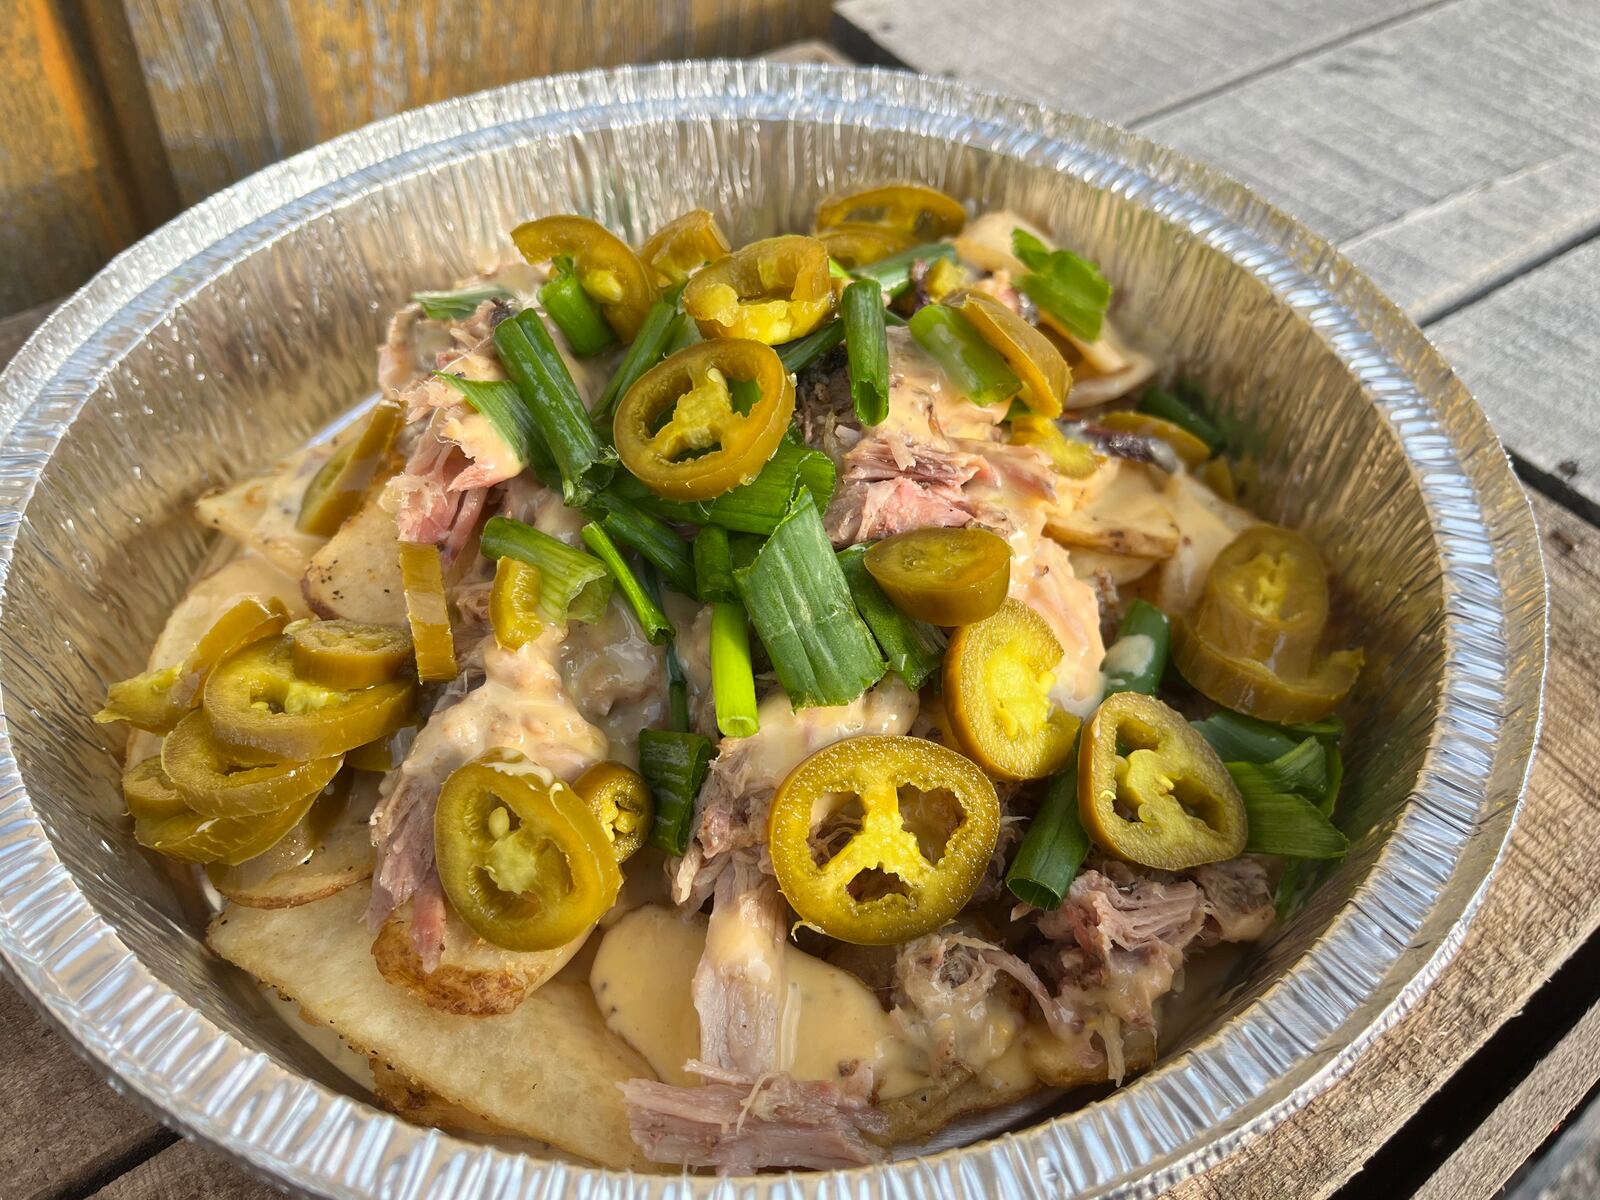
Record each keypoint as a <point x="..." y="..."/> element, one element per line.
<point x="893" y="274"/>
<point x="1138" y="658"/>
<point x="535" y="365"/>
<point x="914" y="648"/>
<point x="758" y="506"/>
<point x="677" y="691"/>
<point x="577" y="316"/>
<point x="644" y="352"/>
<point x="713" y="566"/>
<point x="972" y="365"/>
<point x="674" y="764"/>
<point x="572" y="585"/>
<point x="744" y="547"/>
<point x="1163" y="404"/>
<point x="685" y="333"/>
<point x="1053" y="848"/>
<point x="499" y="402"/>
<point x="656" y="626"/>
<point x="650" y="536"/>
<point x="890" y="317"/>
<point x="868" y="346"/>
<point x="797" y="598"/>
<point x="1238" y="738"/>
<point x="1303" y="770"/>
<point x="733" y="680"/>
<point x="679" y="512"/>
<point x="799" y="354"/>
<point x="837" y="270"/>
<point x="1069" y="288"/>
<point x="458" y="305"/>
<point x="1283" y="823"/>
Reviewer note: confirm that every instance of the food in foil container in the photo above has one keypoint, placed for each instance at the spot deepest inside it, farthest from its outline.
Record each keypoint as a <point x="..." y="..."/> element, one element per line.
<point x="746" y="707"/>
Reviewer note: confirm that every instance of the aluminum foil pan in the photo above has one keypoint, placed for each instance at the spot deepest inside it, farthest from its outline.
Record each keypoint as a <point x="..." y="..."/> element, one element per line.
<point x="236" y="331"/>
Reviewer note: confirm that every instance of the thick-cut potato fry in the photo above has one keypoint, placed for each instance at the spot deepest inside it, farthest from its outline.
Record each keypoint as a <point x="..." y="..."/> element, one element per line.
<point x="399" y="1095"/>
<point x="1128" y="517"/>
<point x="473" y="978"/>
<point x="1058" y="1064"/>
<point x="918" y="1115"/>
<point x="328" y="851"/>
<point x="260" y="512"/>
<point x="549" y="1070"/>
<point x="357" y="574"/>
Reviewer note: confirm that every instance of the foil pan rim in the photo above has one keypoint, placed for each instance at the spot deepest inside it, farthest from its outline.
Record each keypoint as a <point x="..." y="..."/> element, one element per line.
<point x="71" y="963"/>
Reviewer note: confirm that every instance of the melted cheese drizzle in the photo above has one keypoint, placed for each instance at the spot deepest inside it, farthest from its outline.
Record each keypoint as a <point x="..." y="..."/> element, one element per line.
<point x="642" y="977"/>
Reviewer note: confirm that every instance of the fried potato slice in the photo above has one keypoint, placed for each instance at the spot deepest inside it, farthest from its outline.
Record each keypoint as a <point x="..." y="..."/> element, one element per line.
<point x="1128" y="517"/>
<point x="329" y="851"/>
<point x="918" y="1115"/>
<point x="549" y="1070"/>
<point x="399" y="1095"/>
<point x="473" y="978"/>
<point x="356" y="575"/>
<point x="260" y="512"/>
<point x="1059" y="1065"/>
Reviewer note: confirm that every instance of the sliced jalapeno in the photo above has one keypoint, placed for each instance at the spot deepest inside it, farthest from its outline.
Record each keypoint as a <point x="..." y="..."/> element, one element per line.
<point x="683" y="244"/>
<point x="157" y="700"/>
<point x="771" y="291"/>
<point x="858" y="245"/>
<point x="214" y="783"/>
<point x="261" y="708"/>
<point x="607" y="269"/>
<point x="337" y="489"/>
<point x="523" y="860"/>
<point x="1046" y="377"/>
<point x="621" y="799"/>
<point x="514" y="603"/>
<point x="1191" y="451"/>
<point x="428" y="611"/>
<point x="917" y="212"/>
<point x="943" y="576"/>
<point x="1152" y="791"/>
<point x="706" y="446"/>
<point x="349" y="654"/>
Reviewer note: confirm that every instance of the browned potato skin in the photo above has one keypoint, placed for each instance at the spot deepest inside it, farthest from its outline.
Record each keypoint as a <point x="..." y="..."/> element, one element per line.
<point x="294" y="872"/>
<point x="357" y="574"/>
<point x="473" y="978"/>
<point x="1056" y="1066"/>
<point x="396" y="1093"/>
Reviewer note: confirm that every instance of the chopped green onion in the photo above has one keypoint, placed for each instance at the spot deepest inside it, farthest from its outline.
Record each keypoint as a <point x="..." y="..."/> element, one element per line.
<point x="1071" y="289"/>
<point x="501" y="404"/>
<point x="575" y="313"/>
<point x="744" y="547"/>
<point x="837" y="269"/>
<point x="531" y="359"/>
<point x="799" y="354"/>
<point x="656" y="626"/>
<point x="914" y="648"/>
<point x="1138" y="658"/>
<point x="649" y="535"/>
<point x="644" y="352"/>
<point x="758" y="506"/>
<point x="972" y="365"/>
<point x="677" y="691"/>
<point x="868" y="346"/>
<point x="893" y="274"/>
<point x="1297" y="880"/>
<point x="733" y="680"/>
<point x="572" y="585"/>
<point x="674" y="764"/>
<point x="679" y="512"/>
<point x="1164" y="404"/>
<point x="797" y="598"/>
<point x="1053" y="848"/>
<point x="1303" y="770"/>
<point x="890" y="317"/>
<point x="713" y="566"/>
<point x="458" y="305"/>
<point x="1283" y="823"/>
<point x="685" y="333"/>
<point x="1238" y="738"/>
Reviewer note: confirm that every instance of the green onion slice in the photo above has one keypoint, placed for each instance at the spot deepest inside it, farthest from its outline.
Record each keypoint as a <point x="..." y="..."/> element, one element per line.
<point x="1071" y="289"/>
<point x="656" y="626"/>
<point x="674" y="764"/>
<point x="1053" y="848"/>
<point x="733" y="681"/>
<point x="914" y="648"/>
<point x="868" y="348"/>
<point x="460" y="304"/>
<point x="572" y="585"/>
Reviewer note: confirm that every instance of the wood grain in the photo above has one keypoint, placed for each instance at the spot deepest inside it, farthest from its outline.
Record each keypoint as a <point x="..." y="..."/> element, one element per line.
<point x="1531" y="353"/>
<point x="235" y="86"/>
<point x="1541" y="906"/>
<point x="185" y="1171"/>
<point x="1521" y="1123"/>
<point x="67" y="198"/>
<point x="1125" y="61"/>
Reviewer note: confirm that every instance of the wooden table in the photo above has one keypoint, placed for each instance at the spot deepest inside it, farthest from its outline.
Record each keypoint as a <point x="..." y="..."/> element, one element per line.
<point x="1451" y="147"/>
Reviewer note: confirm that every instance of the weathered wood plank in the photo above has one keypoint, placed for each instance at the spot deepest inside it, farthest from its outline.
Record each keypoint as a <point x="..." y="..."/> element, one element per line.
<point x="1531" y="353"/>
<point x="1519" y="1126"/>
<point x="1123" y="61"/>
<point x="1541" y="906"/>
<point x="66" y="201"/>
<point x="185" y="1171"/>
<point x="235" y="87"/>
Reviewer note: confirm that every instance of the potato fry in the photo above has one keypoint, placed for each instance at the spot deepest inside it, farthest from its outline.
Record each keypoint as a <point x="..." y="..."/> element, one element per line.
<point x="549" y="1070"/>
<point x="473" y="978"/>
<point x="328" y="851"/>
<point x="260" y="512"/>
<point x="357" y="574"/>
<point x="399" y="1095"/>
